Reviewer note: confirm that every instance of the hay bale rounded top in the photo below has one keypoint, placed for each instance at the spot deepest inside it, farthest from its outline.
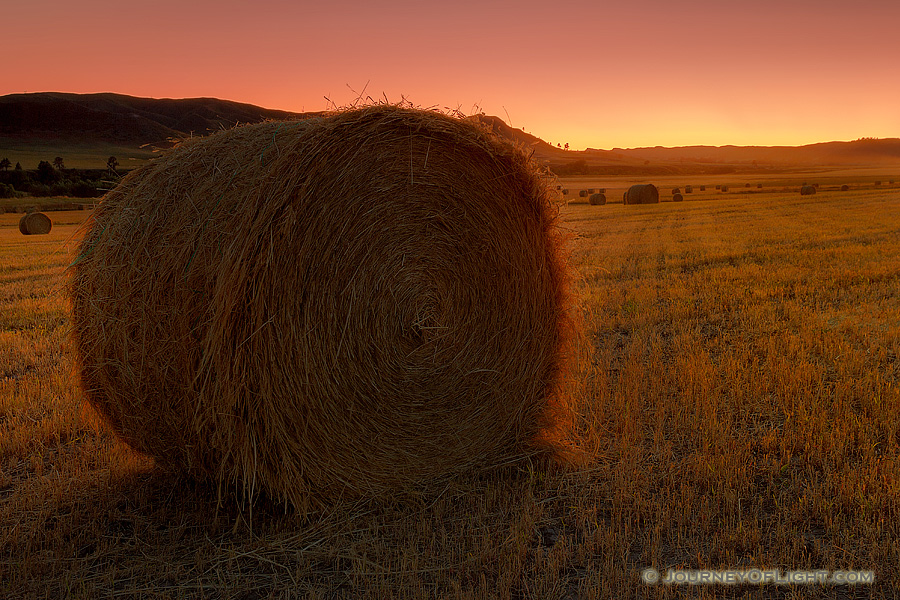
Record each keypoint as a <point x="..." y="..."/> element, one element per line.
<point x="677" y="198"/>
<point x="349" y="304"/>
<point x="676" y="191"/>
<point x="644" y="193"/>
<point x="845" y="187"/>
<point x="35" y="223"/>
<point x="582" y="193"/>
<point x="597" y="199"/>
<point x="807" y="190"/>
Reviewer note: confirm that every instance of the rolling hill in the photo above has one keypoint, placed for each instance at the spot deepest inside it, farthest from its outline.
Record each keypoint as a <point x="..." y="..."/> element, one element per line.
<point x="85" y="129"/>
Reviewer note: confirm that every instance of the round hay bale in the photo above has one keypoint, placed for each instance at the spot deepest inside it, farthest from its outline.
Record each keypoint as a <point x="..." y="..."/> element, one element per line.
<point x="702" y="188"/>
<point x="688" y="189"/>
<point x="590" y="190"/>
<point x="35" y="223"/>
<point x="891" y="182"/>
<point x="677" y="198"/>
<point x="565" y="192"/>
<point x="724" y="188"/>
<point x="644" y="193"/>
<point x="845" y="188"/>
<point x="597" y="199"/>
<point x="807" y="190"/>
<point x="759" y="186"/>
<point x="816" y="185"/>
<point x="877" y="183"/>
<point x="559" y="187"/>
<point x="676" y="191"/>
<point x="601" y="191"/>
<point x="718" y="187"/>
<point x="582" y="193"/>
<point x="351" y="304"/>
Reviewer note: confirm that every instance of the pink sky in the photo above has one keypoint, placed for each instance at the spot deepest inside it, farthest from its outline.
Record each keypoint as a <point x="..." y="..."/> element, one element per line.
<point x="593" y="74"/>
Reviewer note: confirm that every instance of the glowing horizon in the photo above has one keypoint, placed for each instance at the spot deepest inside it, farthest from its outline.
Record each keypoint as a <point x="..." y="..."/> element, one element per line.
<point x="592" y="75"/>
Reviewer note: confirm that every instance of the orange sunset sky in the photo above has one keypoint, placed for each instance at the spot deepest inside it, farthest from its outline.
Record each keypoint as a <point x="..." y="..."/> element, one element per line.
<point x="596" y="74"/>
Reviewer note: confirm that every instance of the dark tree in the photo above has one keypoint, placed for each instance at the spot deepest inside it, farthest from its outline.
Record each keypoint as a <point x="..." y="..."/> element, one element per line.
<point x="18" y="166"/>
<point x="5" y="164"/>
<point x="46" y="174"/>
<point x="58" y="163"/>
<point x="111" y="164"/>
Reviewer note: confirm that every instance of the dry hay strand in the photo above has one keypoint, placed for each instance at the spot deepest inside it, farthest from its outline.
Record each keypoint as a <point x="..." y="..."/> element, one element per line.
<point x="845" y="188"/>
<point x="597" y="199"/>
<point x="677" y="198"/>
<point x="582" y="193"/>
<point x="352" y="304"/>
<point x="688" y="189"/>
<point x="35" y="223"/>
<point x="643" y="193"/>
<point x="807" y="190"/>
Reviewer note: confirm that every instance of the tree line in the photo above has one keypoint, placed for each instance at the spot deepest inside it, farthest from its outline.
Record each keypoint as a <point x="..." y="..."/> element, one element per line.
<point x="52" y="178"/>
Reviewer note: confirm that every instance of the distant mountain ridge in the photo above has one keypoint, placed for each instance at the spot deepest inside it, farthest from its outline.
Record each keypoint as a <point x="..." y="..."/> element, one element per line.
<point x="48" y="118"/>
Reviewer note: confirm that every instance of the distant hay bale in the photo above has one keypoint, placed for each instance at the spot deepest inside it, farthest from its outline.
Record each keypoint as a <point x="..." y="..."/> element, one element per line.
<point x="816" y="185"/>
<point x="565" y="192"/>
<point x="597" y="199"/>
<point x="891" y="182"/>
<point x="748" y="185"/>
<point x="35" y="223"/>
<point x="845" y="188"/>
<point x="759" y="186"/>
<point x="582" y="193"/>
<point x="675" y="191"/>
<point x="601" y="191"/>
<point x="559" y="187"/>
<point x="718" y="187"/>
<point x="702" y="188"/>
<point x="877" y="183"/>
<point x="724" y="188"/>
<point x="644" y="193"/>
<point x="590" y="190"/>
<point x="347" y="305"/>
<point x="688" y="189"/>
<point x="807" y="190"/>
<point x="677" y="198"/>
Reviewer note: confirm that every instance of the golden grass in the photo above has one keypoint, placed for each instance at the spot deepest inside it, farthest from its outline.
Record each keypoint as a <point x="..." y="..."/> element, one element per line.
<point x="738" y="390"/>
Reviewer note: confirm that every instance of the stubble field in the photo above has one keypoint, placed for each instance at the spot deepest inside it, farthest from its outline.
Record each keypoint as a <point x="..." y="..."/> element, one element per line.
<point x="737" y="392"/>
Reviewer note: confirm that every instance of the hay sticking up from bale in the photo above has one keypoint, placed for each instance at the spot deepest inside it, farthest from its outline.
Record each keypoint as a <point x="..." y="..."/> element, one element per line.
<point x="351" y="304"/>
<point x="35" y="223"/>
<point x="644" y="193"/>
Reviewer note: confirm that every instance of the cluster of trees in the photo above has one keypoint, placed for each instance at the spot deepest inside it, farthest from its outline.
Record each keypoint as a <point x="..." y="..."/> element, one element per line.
<point x="53" y="179"/>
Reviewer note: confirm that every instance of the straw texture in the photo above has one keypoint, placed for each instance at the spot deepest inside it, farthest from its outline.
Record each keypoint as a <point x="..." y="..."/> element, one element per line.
<point x="352" y="304"/>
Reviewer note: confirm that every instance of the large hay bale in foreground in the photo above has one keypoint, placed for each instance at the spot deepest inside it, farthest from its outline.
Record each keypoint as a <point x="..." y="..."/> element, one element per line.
<point x="807" y="190"/>
<point x="35" y="223"/>
<point x="597" y="199"/>
<point x="350" y="304"/>
<point x="644" y="193"/>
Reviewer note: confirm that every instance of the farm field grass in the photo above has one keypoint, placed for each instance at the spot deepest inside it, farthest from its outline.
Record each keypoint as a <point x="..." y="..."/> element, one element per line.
<point x="737" y="393"/>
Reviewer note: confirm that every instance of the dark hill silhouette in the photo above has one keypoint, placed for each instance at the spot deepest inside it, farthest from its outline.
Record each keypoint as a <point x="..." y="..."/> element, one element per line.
<point x="120" y="119"/>
<point x="51" y="120"/>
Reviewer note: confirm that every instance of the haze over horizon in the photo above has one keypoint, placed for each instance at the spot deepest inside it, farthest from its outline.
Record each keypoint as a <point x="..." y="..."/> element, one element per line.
<point x="600" y="75"/>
